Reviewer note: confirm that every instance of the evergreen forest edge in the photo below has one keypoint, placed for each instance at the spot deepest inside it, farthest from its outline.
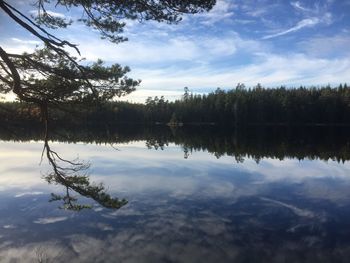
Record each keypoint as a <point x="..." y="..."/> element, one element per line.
<point x="240" y="106"/>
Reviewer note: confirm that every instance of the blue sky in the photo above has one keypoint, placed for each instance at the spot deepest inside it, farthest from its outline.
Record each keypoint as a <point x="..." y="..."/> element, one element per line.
<point x="274" y="43"/>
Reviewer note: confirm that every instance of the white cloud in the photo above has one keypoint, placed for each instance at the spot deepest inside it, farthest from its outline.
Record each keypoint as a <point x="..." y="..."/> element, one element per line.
<point x="327" y="18"/>
<point x="159" y="50"/>
<point x="244" y="21"/>
<point x="9" y="226"/>
<point x="20" y="167"/>
<point x="140" y="95"/>
<point x="55" y="14"/>
<point x="327" y="46"/>
<point x="221" y="11"/>
<point x="254" y="9"/>
<point x="308" y="22"/>
<point x="139" y="52"/>
<point x="28" y="193"/>
<point x="25" y="41"/>
<point x="297" y="5"/>
<point x="296" y="210"/>
<point x="104" y="227"/>
<point x="48" y="251"/>
<point x="318" y="14"/>
<point x="270" y="70"/>
<point x="169" y="57"/>
<point x="49" y="220"/>
<point x="19" y="45"/>
<point x="267" y="68"/>
<point x="51" y="13"/>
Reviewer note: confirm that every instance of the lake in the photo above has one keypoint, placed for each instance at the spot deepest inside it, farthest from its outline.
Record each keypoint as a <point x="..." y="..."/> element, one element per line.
<point x="192" y="195"/>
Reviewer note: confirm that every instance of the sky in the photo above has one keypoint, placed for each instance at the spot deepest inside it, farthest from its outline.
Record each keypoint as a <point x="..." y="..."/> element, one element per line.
<point x="273" y="43"/>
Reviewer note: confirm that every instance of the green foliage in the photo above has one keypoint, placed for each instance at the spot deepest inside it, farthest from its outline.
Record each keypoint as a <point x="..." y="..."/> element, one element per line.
<point x="82" y="185"/>
<point x="69" y="202"/>
<point x="107" y="16"/>
<point x="71" y="174"/>
<point x="49" y="77"/>
<point x="236" y="107"/>
<point x="52" y="75"/>
<point x="53" y="22"/>
<point x="259" y="105"/>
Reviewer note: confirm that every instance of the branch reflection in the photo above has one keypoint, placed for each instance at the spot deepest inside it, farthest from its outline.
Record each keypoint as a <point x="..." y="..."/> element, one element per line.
<point x="73" y="176"/>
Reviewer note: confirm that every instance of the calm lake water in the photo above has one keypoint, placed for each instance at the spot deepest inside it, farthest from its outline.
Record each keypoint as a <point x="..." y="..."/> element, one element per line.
<point x="187" y="202"/>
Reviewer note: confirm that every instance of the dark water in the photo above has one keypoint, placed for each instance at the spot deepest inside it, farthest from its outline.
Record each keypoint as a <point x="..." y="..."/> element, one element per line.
<point x="205" y="195"/>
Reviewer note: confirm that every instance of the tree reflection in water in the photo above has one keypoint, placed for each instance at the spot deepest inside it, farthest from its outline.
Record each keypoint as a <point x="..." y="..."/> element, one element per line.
<point x="73" y="175"/>
<point x="322" y="143"/>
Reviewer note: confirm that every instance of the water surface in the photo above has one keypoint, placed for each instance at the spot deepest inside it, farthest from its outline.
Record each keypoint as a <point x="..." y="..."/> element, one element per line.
<point x="185" y="204"/>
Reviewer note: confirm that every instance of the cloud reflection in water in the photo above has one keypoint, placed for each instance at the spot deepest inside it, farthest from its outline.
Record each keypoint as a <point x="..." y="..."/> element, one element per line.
<point x="180" y="210"/>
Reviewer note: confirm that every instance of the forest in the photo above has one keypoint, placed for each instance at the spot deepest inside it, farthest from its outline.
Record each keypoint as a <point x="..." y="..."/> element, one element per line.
<point x="240" y="106"/>
<point x="278" y="142"/>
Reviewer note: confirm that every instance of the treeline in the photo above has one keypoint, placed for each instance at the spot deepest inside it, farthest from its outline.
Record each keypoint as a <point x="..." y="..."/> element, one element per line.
<point x="279" y="142"/>
<point x="237" y="107"/>
<point x="258" y="105"/>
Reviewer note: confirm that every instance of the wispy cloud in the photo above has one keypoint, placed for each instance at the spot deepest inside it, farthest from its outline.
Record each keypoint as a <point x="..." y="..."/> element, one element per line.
<point x="227" y="45"/>
<point x="258" y="12"/>
<point x="51" y="13"/>
<point x="221" y="11"/>
<point x="19" y="45"/>
<point x="161" y="49"/>
<point x="327" y="46"/>
<point x="28" y="193"/>
<point x="296" y="210"/>
<point x="308" y="22"/>
<point x="50" y="220"/>
<point x="9" y="226"/>
<point x="25" y="41"/>
<point x="297" y="5"/>
<point x="270" y="70"/>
